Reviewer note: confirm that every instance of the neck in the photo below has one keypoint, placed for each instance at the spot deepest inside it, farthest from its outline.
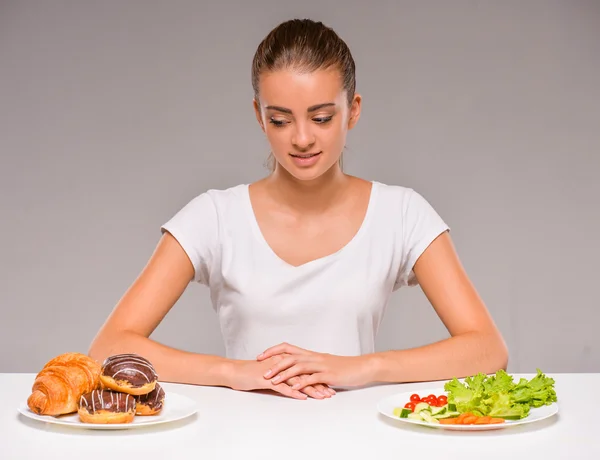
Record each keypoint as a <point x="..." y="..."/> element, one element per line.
<point x="312" y="196"/>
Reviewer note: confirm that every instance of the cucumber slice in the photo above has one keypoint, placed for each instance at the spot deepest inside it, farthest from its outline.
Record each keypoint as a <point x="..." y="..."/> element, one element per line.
<point x="428" y="418"/>
<point x="415" y="416"/>
<point x="508" y="417"/>
<point x="447" y="414"/>
<point x="452" y="407"/>
<point x="401" y="412"/>
<point x="405" y="413"/>
<point x="438" y="410"/>
<point x="421" y="406"/>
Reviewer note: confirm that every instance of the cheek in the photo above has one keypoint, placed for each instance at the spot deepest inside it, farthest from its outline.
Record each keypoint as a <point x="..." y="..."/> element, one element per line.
<point x="334" y="135"/>
<point x="279" y="139"/>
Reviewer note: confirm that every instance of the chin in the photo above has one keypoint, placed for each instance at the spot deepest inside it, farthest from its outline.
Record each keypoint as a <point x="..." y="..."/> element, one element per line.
<point x="306" y="174"/>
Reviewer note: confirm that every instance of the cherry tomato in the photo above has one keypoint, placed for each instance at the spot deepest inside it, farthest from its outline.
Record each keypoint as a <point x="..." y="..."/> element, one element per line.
<point x="410" y="405"/>
<point x="442" y="400"/>
<point x="431" y="400"/>
<point x="415" y="398"/>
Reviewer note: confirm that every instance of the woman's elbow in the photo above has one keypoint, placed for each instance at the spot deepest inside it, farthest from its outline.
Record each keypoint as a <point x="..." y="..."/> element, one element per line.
<point x="96" y="350"/>
<point x="102" y="346"/>
<point x="499" y="353"/>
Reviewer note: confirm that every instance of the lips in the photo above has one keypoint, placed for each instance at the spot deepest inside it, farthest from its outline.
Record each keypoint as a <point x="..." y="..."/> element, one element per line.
<point x="304" y="155"/>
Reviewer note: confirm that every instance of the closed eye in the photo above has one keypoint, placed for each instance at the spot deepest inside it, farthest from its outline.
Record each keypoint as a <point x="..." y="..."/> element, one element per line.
<point x="318" y="120"/>
<point x="276" y="122"/>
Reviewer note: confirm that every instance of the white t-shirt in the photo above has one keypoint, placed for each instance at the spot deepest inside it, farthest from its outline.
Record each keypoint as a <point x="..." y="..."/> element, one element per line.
<point x="333" y="304"/>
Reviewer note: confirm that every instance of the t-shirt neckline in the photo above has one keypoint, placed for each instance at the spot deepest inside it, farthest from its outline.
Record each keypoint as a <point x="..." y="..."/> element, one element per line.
<point x="326" y="258"/>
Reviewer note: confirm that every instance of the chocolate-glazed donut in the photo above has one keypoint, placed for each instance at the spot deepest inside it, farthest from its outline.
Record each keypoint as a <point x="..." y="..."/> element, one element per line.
<point x="151" y="403"/>
<point x="105" y="406"/>
<point x="128" y="373"/>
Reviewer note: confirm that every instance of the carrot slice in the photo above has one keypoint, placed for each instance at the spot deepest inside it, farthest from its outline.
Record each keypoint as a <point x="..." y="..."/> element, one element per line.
<point x="497" y="420"/>
<point x="469" y="420"/>
<point x="483" y="420"/>
<point x="461" y="417"/>
<point x="448" y="421"/>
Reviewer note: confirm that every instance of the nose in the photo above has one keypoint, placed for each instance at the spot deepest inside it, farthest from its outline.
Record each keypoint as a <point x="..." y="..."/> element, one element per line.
<point x="303" y="137"/>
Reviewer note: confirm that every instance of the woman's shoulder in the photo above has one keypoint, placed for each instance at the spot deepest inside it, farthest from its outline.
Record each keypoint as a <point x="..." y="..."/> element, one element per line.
<point x="220" y="198"/>
<point x="211" y="205"/>
<point x="232" y="192"/>
<point x="393" y="189"/>
<point x="403" y="200"/>
<point x="393" y="193"/>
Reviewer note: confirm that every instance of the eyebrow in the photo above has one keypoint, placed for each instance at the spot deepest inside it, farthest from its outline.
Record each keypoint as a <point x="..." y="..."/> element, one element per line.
<point x="312" y="108"/>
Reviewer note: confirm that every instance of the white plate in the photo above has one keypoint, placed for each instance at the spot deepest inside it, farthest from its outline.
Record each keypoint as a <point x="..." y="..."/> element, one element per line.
<point x="176" y="407"/>
<point x="387" y="405"/>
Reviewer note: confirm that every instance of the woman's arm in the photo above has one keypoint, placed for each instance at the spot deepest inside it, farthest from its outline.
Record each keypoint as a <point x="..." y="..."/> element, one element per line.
<point x="142" y="308"/>
<point x="145" y="304"/>
<point x="476" y="344"/>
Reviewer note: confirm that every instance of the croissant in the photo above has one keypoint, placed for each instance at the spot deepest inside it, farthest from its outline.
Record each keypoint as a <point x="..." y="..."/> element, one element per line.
<point x="62" y="381"/>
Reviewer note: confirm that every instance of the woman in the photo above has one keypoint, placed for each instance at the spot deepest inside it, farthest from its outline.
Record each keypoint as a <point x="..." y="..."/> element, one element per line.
<point x="301" y="264"/>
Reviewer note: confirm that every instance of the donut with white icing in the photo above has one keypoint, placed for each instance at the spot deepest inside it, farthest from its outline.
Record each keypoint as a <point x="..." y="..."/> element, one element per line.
<point x="128" y="373"/>
<point x="151" y="403"/>
<point x="106" y="406"/>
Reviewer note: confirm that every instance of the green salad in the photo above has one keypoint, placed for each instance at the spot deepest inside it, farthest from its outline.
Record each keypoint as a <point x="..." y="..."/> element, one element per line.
<point x="499" y="396"/>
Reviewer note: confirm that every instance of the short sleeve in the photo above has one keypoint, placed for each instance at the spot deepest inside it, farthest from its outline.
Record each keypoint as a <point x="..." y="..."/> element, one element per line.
<point x="421" y="224"/>
<point x="196" y="228"/>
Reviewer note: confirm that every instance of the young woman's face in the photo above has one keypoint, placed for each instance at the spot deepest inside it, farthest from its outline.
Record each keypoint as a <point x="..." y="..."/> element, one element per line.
<point x="306" y="118"/>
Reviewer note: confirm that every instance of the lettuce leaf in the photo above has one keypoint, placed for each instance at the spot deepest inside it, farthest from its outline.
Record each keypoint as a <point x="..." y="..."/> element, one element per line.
<point x="466" y="398"/>
<point x="537" y="392"/>
<point x="499" y="396"/>
<point x="502" y="405"/>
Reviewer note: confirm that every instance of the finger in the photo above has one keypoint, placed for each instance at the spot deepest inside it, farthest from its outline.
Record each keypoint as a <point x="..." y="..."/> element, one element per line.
<point x="293" y="371"/>
<point x="319" y="388"/>
<point x="278" y="358"/>
<point x="279" y="366"/>
<point x="312" y="380"/>
<point x="281" y="348"/>
<point x="293" y="380"/>
<point x="314" y="393"/>
<point x="289" y="371"/>
<point x="323" y="389"/>
<point x="286" y="390"/>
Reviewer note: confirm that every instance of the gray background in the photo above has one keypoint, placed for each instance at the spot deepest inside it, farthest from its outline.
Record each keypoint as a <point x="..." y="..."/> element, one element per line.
<point x="114" y="114"/>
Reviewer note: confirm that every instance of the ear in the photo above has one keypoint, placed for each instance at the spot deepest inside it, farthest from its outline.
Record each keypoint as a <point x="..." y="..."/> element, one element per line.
<point x="258" y="113"/>
<point x="354" y="111"/>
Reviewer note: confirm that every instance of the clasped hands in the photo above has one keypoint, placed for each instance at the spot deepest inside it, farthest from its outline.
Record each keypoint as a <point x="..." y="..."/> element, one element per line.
<point x="300" y="373"/>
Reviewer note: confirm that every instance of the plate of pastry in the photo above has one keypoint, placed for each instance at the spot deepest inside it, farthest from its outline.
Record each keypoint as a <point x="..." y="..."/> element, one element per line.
<point x="121" y="393"/>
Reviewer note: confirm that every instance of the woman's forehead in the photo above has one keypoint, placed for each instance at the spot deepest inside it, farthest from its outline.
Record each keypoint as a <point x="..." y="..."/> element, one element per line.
<point x="298" y="90"/>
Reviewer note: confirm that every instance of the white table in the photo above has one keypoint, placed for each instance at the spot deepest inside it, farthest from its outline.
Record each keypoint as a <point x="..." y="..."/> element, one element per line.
<point x="239" y="425"/>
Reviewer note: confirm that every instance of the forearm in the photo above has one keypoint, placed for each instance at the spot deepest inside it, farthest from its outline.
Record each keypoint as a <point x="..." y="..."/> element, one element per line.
<point x="458" y="356"/>
<point x="172" y="365"/>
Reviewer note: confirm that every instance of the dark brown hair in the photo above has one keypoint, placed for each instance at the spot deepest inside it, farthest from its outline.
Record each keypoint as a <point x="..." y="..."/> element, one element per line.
<point x="304" y="45"/>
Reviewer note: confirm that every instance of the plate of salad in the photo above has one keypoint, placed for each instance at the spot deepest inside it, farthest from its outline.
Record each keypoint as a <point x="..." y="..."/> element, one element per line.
<point x="478" y="402"/>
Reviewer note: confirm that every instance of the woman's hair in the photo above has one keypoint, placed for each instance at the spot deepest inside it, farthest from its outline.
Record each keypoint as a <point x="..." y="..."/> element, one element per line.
<point x="306" y="46"/>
